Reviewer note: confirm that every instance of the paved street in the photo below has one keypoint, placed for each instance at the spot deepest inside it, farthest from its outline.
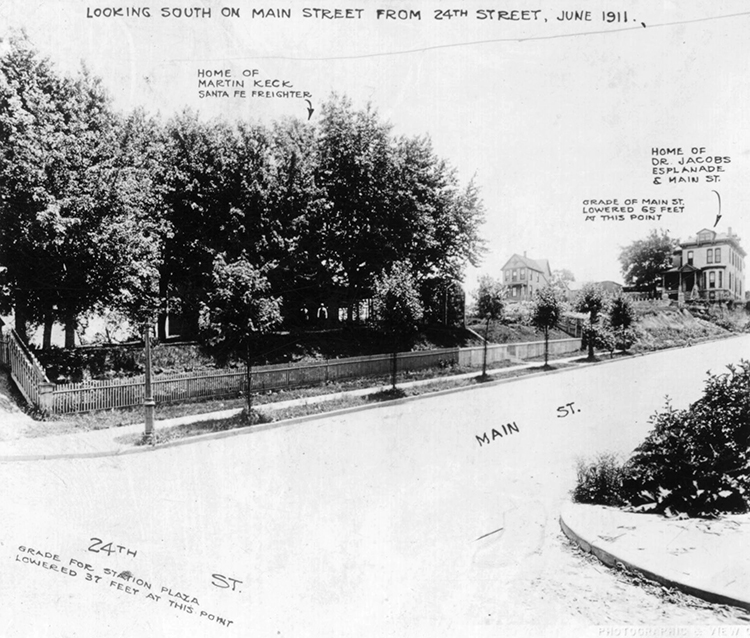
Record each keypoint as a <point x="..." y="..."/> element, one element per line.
<point x="409" y="519"/>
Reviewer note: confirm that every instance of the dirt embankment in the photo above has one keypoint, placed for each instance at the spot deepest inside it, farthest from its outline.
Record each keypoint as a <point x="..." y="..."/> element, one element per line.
<point x="671" y="327"/>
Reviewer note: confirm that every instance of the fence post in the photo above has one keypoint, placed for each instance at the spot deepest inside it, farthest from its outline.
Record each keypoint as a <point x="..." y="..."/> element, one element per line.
<point x="46" y="397"/>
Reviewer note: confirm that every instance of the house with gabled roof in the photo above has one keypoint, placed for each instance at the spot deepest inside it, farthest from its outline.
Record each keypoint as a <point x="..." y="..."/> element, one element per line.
<point x="524" y="276"/>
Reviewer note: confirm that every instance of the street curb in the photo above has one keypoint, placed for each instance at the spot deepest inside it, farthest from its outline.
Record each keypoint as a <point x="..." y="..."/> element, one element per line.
<point x="611" y="560"/>
<point x="318" y="415"/>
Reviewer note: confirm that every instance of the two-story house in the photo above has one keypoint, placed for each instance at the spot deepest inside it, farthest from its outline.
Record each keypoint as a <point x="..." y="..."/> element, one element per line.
<point x="709" y="266"/>
<point x="523" y="276"/>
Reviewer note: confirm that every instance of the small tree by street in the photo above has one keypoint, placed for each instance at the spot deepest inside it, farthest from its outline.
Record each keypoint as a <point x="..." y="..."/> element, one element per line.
<point x="591" y="300"/>
<point x="490" y="306"/>
<point x="397" y="308"/>
<point x="239" y="307"/>
<point x="621" y="316"/>
<point x="546" y="312"/>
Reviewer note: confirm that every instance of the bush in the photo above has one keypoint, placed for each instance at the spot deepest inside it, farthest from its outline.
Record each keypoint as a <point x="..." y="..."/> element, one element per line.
<point x="517" y="313"/>
<point x="598" y="334"/>
<point x="599" y="481"/>
<point x="696" y="461"/>
<point x="625" y="338"/>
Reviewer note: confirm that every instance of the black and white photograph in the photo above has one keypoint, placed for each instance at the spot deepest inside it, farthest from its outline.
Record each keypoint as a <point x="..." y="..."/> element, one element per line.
<point x="374" y="319"/>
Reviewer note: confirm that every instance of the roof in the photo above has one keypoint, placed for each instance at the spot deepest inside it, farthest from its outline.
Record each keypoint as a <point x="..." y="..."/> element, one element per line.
<point x="717" y="238"/>
<point x="540" y="265"/>
<point x="685" y="268"/>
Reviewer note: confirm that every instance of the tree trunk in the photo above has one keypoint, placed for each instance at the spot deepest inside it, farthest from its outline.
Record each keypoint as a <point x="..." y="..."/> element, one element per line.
<point x="546" y="347"/>
<point x="20" y="320"/>
<point x="592" y="320"/>
<point x="190" y="327"/>
<point x="70" y="330"/>
<point x="394" y="364"/>
<point x="47" y="338"/>
<point x="484" y="359"/>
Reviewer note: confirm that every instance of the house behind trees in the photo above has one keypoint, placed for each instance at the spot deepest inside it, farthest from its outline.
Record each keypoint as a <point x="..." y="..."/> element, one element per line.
<point x="524" y="276"/>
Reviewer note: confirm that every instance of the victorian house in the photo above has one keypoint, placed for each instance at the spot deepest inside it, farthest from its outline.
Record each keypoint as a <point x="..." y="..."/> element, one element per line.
<point x="709" y="266"/>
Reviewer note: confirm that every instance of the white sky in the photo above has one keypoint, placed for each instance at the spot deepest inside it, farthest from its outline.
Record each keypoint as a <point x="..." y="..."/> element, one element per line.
<point x="545" y="114"/>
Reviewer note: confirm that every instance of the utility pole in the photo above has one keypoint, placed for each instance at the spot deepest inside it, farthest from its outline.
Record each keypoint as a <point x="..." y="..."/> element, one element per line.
<point x="148" y="400"/>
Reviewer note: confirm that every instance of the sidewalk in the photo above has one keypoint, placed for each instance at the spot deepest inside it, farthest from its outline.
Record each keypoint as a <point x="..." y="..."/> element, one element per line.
<point x="116" y="441"/>
<point x="709" y="559"/>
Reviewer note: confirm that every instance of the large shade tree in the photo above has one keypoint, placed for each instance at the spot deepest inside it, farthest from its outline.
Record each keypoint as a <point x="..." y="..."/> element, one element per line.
<point x="102" y="211"/>
<point x="643" y="261"/>
<point x="389" y="199"/>
<point x="72" y="217"/>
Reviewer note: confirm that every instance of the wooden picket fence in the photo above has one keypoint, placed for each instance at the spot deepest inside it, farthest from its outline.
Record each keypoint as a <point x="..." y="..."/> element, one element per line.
<point x="27" y="373"/>
<point x="93" y="395"/>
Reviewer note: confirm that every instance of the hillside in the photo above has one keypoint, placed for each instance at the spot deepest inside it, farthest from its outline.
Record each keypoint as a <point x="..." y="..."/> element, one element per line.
<point x="663" y="326"/>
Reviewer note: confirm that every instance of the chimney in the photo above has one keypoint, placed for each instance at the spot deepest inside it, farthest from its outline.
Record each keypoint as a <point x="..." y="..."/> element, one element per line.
<point x="730" y="231"/>
<point x="524" y="253"/>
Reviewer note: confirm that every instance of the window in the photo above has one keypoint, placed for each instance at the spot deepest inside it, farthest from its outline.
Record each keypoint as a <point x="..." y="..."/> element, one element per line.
<point x="710" y="256"/>
<point x="717" y="255"/>
<point x="690" y="258"/>
<point x="515" y="274"/>
<point x="720" y="277"/>
<point x="712" y="279"/>
<point x="523" y="273"/>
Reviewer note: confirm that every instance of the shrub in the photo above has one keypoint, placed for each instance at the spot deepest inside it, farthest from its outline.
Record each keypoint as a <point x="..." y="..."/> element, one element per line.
<point x="517" y="313"/>
<point x="696" y="461"/>
<point x="599" y="481"/>
<point x="598" y="336"/>
<point x="625" y="339"/>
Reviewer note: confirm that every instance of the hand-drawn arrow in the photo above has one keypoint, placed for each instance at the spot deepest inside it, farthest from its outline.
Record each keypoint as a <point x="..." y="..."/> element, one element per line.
<point x="718" y="217"/>
<point x="310" y="110"/>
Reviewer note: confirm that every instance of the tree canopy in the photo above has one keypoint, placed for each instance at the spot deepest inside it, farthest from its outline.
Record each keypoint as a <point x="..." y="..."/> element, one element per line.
<point x="72" y="208"/>
<point x="546" y="312"/>
<point x="591" y="299"/>
<point x="490" y="306"/>
<point x="123" y="211"/>
<point x="643" y="261"/>
<point x="396" y="303"/>
<point x="490" y="298"/>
